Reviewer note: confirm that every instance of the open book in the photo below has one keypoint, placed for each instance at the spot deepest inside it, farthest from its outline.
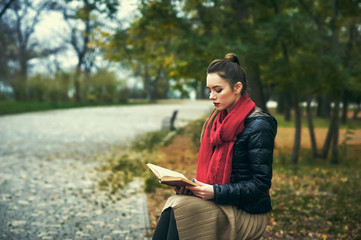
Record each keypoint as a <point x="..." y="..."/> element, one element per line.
<point x="169" y="177"/>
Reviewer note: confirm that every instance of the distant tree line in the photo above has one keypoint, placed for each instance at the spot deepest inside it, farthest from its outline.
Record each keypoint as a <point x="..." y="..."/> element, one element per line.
<point x="296" y="51"/>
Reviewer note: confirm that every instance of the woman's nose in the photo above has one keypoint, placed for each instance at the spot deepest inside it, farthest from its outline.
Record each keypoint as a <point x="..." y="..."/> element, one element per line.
<point x="212" y="96"/>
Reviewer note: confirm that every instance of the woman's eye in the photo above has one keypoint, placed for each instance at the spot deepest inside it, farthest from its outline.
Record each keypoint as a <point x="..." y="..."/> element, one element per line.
<point x="219" y="90"/>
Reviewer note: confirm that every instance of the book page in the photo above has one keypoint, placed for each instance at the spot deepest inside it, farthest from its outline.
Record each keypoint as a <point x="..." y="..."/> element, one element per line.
<point x="166" y="172"/>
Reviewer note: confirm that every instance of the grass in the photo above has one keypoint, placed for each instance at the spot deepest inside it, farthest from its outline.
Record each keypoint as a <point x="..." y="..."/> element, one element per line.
<point x="14" y="107"/>
<point x="124" y="163"/>
<point x="317" y="200"/>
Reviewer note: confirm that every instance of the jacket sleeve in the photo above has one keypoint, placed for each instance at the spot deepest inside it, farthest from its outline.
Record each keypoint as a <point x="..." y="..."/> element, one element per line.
<point x="260" y="156"/>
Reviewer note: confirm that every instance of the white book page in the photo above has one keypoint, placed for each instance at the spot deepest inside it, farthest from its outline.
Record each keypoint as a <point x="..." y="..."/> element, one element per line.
<point x="166" y="172"/>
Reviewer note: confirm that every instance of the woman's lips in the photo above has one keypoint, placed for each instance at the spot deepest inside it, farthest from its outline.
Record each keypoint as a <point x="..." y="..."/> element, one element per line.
<point x="216" y="104"/>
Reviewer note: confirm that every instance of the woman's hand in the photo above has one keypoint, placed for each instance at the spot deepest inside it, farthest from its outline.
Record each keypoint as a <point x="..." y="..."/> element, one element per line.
<point x="203" y="190"/>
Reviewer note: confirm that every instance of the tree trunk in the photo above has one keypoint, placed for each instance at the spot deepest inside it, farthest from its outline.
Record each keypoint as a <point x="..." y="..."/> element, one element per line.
<point x="323" y="109"/>
<point x="356" y="110"/>
<point x="202" y="92"/>
<point x="154" y="87"/>
<point x="327" y="143"/>
<point x="334" y="156"/>
<point x="287" y="107"/>
<point x="153" y="90"/>
<point x="283" y="106"/>
<point x="297" y="139"/>
<point x="336" y="51"/>
<point x="311" y="127"/>
<point x="345" y="103"/>
<point x="318" y="108"/>
<point x="148" y="85"/>
<point x="21" y="83"/>
<point x="77" y="84"/>
<point x="280" y="104"/>
<point x="255" y="85"/>
<point x="85" y="86"/>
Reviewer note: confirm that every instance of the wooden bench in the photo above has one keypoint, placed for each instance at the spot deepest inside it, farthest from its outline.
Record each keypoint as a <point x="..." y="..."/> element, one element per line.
<point x="168" y="122"/>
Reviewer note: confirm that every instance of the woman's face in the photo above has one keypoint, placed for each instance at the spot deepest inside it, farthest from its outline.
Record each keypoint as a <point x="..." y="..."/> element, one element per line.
<point x="221" y="93"/>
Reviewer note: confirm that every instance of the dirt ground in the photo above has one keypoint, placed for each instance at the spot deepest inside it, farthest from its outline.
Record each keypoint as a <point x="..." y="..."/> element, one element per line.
<point x="285" y="137"/>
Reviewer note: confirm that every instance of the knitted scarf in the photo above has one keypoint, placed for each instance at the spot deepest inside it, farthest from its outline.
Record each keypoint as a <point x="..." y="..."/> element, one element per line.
<point x="216" y="151"/>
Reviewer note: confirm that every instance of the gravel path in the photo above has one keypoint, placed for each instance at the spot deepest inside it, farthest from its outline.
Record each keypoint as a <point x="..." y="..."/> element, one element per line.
<point x="48" y="180"/>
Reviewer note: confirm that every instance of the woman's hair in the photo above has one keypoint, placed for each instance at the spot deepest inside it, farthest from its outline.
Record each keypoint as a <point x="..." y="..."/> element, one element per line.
<point x="230" y="70"/>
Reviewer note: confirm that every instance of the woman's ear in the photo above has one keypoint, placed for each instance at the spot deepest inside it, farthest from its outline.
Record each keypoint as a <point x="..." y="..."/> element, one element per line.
<point x="238" y="87"/>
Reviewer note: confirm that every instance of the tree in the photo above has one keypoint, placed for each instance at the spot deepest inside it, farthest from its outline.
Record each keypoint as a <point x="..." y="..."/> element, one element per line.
<point x="201" y="42"/>
<point x="286" y="33"/>
<point x="83" y="21"/>
<point x="21" y="18"/>
<point x="146" y="46"/>
<point x="336" y="62"/>
<point x="103" y="87"/>
<point x="7" y="49"/>
<point x="246" y="21"/>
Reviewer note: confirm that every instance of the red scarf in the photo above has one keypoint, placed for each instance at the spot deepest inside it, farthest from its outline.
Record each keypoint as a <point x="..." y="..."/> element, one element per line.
<point x="216" y="151"/>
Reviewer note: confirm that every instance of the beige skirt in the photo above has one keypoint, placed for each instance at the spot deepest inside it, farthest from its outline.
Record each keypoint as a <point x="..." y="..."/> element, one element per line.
<point x="200" y="219"/>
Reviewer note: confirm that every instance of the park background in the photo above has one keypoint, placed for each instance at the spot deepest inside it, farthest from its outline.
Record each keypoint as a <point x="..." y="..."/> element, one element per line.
<point x="302" y="55"/>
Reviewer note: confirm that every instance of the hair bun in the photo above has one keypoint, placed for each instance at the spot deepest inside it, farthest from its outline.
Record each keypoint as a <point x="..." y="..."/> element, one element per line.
<point x="232" y="58"/>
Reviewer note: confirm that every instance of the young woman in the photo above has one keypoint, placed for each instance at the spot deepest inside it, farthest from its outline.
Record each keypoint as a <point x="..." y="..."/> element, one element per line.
<point x="234" y="168"/>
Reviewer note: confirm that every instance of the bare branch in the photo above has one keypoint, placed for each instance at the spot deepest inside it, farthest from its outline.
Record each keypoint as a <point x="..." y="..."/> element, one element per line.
<point x="7" y="5"/>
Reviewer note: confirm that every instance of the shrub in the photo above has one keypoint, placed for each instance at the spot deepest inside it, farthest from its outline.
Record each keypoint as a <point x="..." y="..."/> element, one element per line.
<point x="122" y="170"/>
<point x="149" y="141"/>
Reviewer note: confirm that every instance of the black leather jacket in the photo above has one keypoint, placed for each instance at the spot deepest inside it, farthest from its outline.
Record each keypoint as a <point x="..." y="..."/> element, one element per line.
<point x="251" y="166"/>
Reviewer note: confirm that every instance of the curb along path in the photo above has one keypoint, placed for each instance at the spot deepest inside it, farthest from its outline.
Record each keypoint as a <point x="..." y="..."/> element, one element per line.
<point x="48" y="180"/>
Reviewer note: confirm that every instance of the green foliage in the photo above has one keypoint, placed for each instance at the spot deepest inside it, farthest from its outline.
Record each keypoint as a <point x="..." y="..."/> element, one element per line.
<point x="123" y="95"/>
<point x="103" y="87"/>
<point x="121" y="170"/>
<point x="303" y="47"/>
<point x="13" y="107"/>
<point x="131" y="163"/>
<point x="142" y="48"/>
<point x="151" y="184"/>
<point x="195" y="129"/>
<point x="44" y="88"/>
<point x="344" y="145"/>
<point x="149" y="141"/>
<point x="19" y="86"/>
<point x="38" y="88"/>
